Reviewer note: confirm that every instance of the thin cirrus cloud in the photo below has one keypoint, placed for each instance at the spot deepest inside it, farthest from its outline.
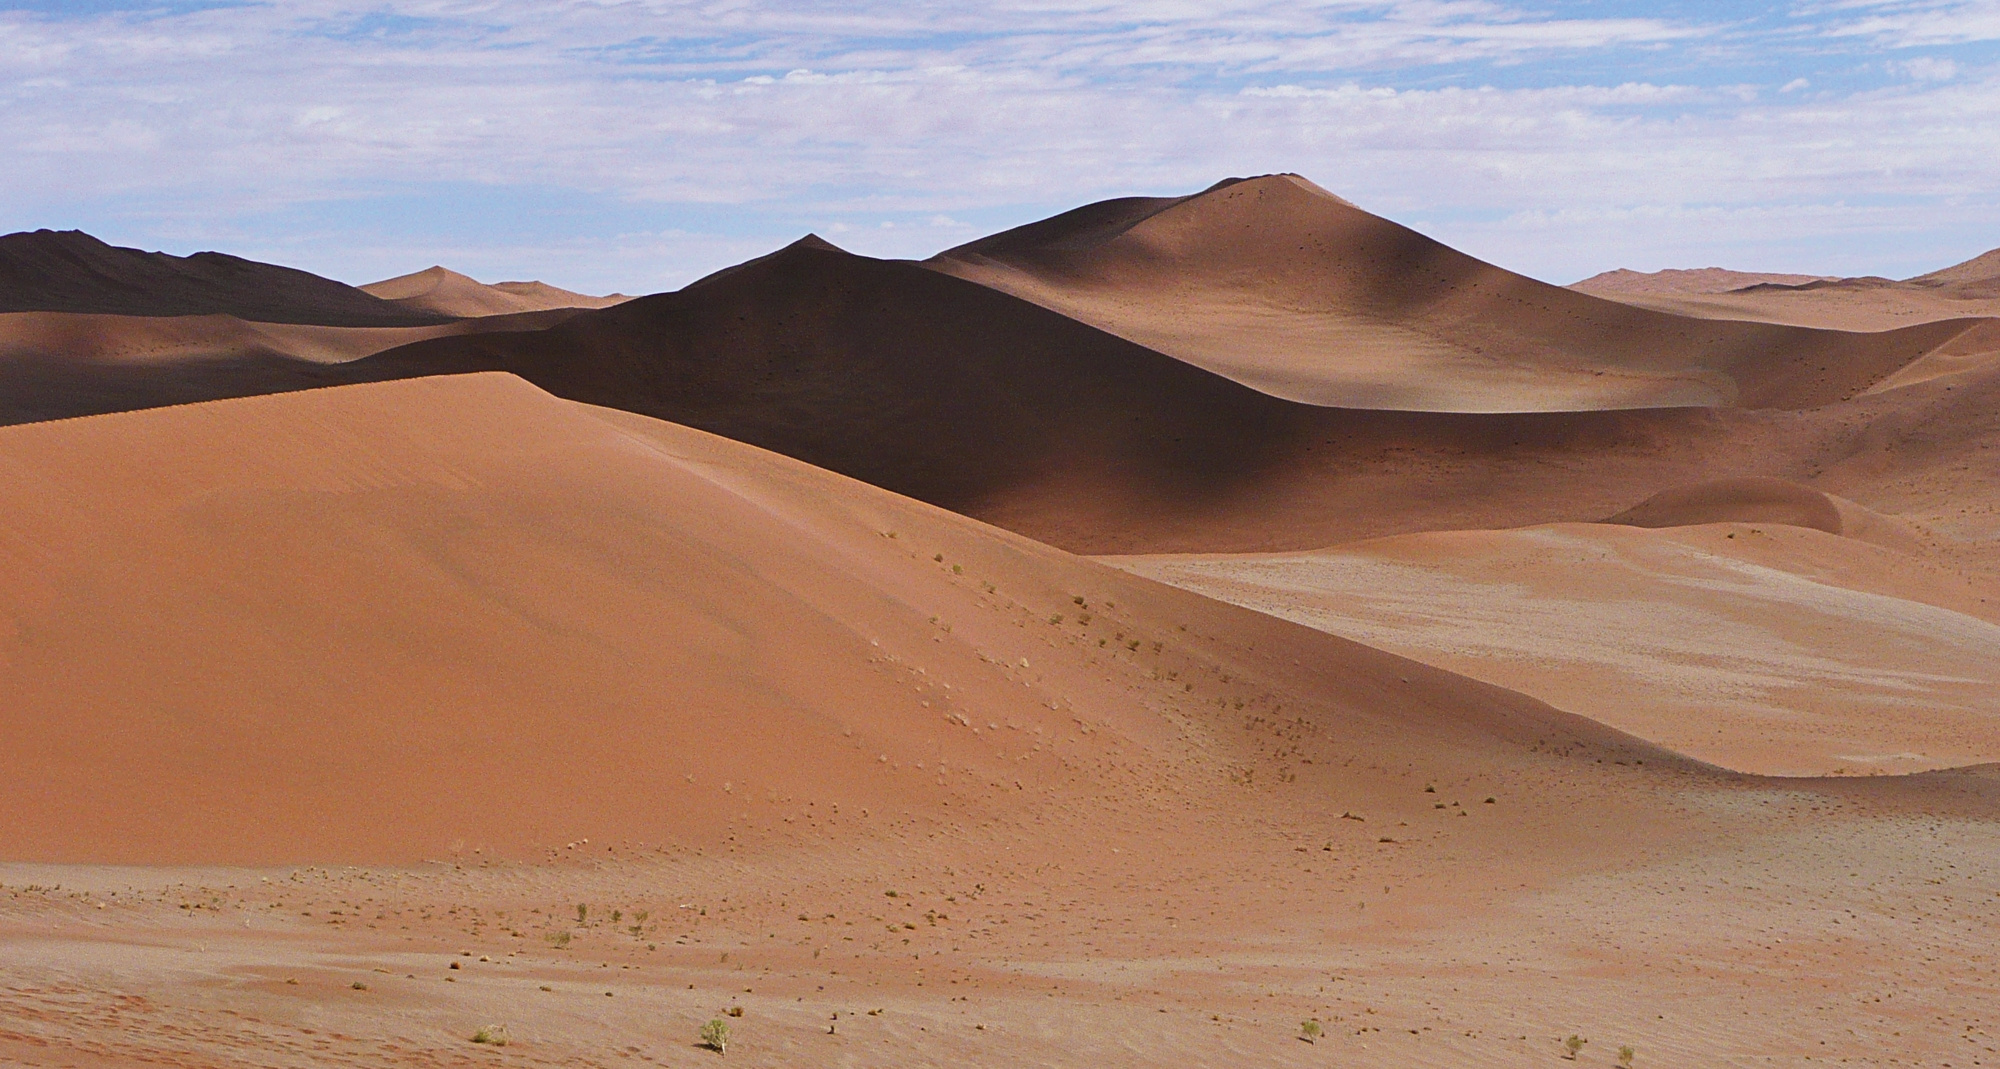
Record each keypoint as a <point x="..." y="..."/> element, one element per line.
<point x="636" y="144"/>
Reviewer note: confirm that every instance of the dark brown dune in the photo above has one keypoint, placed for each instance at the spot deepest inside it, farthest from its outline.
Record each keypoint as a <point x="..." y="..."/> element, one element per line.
<point x="1286" y="287"/>
<point x="70" y="271"/>
<point x="985" y="404"/>
<point x="59" y="365"/>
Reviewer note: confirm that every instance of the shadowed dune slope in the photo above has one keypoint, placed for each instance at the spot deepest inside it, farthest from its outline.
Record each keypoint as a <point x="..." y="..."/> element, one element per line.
<point x="462" y="612"/>
<point x="70" y="271"/>
<point x="59" y="365"/>
<point x="1283" y="286"/>
<point x="991" y="406"/>
<point x="444" y="292"/>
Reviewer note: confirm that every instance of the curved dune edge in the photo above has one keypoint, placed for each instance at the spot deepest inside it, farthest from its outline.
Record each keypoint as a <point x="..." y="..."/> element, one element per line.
<point x="460" y="614"/>
<point x="1765" y="499"/>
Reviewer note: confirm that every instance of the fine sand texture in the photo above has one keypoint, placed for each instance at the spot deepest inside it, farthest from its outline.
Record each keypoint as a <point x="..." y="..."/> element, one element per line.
<point x="454" y="709"/>
<point x="444" y="292"/>
<point x="70" y="271"/>
<point x="1285" y="287"/>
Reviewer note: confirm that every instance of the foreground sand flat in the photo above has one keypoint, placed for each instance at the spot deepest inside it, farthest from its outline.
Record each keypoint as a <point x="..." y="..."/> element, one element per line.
<point x="707" y="708"/>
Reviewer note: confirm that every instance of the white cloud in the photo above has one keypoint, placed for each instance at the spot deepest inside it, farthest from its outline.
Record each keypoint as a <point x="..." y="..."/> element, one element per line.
<point x="789" y="116"/>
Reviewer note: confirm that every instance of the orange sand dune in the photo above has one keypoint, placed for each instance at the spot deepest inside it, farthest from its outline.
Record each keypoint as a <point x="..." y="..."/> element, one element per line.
<point x="459" y="613"/>
<point x="1756" y="645"/>
<point x="444" y="292"/>
<point x="1283" y="286"/>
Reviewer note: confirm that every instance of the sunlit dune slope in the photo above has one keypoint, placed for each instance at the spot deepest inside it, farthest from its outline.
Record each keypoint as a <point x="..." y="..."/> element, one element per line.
<point x="1758" y="646"/>
<point x="1281" y="285"/>
<point x="70" y="271"/>
<point x="445" y="292"/>
<point x="389" y="621"/>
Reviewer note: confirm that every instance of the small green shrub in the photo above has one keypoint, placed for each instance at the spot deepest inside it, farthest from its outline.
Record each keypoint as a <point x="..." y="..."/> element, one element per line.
<point x="559" y="940"/>
<point x="1310" y="1031"/>
<point x="1626" y="1054"/>
<point x="1573" y="1046"/>
<point x="493" y="1035"/>
<point x="715" y="1035"/>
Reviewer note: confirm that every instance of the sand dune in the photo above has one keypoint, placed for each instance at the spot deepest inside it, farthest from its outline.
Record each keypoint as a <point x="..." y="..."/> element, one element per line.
<point x="994" y="407"/>
<point x="460" y="611"/>
<point x="1762" y="499"/>
<point x="1278" y="284"/>
<point x="690" y="729"/>
<point x="437" y="290"/>
<point x="1758" y="646"/>
<point x="1863" y="304"/>
<point x="70" y="271"/>
<point x="1682" y="282"/>
<point x="59" y="365"/>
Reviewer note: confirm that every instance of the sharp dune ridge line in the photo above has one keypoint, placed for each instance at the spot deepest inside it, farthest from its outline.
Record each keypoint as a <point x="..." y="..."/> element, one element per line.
<point x="1476" y="663"/>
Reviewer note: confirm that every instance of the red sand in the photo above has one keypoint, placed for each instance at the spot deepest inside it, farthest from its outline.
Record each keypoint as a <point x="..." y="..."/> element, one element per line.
<point x="700" y="727"/>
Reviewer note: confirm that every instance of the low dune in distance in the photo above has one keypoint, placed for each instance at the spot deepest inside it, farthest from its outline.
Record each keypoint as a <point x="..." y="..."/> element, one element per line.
<point x="61" y="365"/>
<point x="1683" y="282"/>
<point x="444" y="292"/>
<point x="70" y="271"/>
<point x="1969" y="289"/>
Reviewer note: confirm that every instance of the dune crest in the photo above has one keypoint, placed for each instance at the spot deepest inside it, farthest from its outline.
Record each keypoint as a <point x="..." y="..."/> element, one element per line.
<point x="1763" y="499"/>
<point x="1289" y="289"/>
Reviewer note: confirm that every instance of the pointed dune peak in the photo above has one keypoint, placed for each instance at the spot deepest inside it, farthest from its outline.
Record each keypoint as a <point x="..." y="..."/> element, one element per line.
<point x="814" y="243"/>
<point x="1284" y="287"/>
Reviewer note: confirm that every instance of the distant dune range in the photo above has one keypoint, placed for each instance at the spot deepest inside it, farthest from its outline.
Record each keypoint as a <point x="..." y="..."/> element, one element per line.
<point x="68" y="271"/>
<point x="1872" y="303"/>
<point x="443" y="292"/>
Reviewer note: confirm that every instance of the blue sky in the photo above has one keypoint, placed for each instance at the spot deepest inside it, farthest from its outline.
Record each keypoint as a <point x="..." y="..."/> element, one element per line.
<point x="637" y="144"/>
